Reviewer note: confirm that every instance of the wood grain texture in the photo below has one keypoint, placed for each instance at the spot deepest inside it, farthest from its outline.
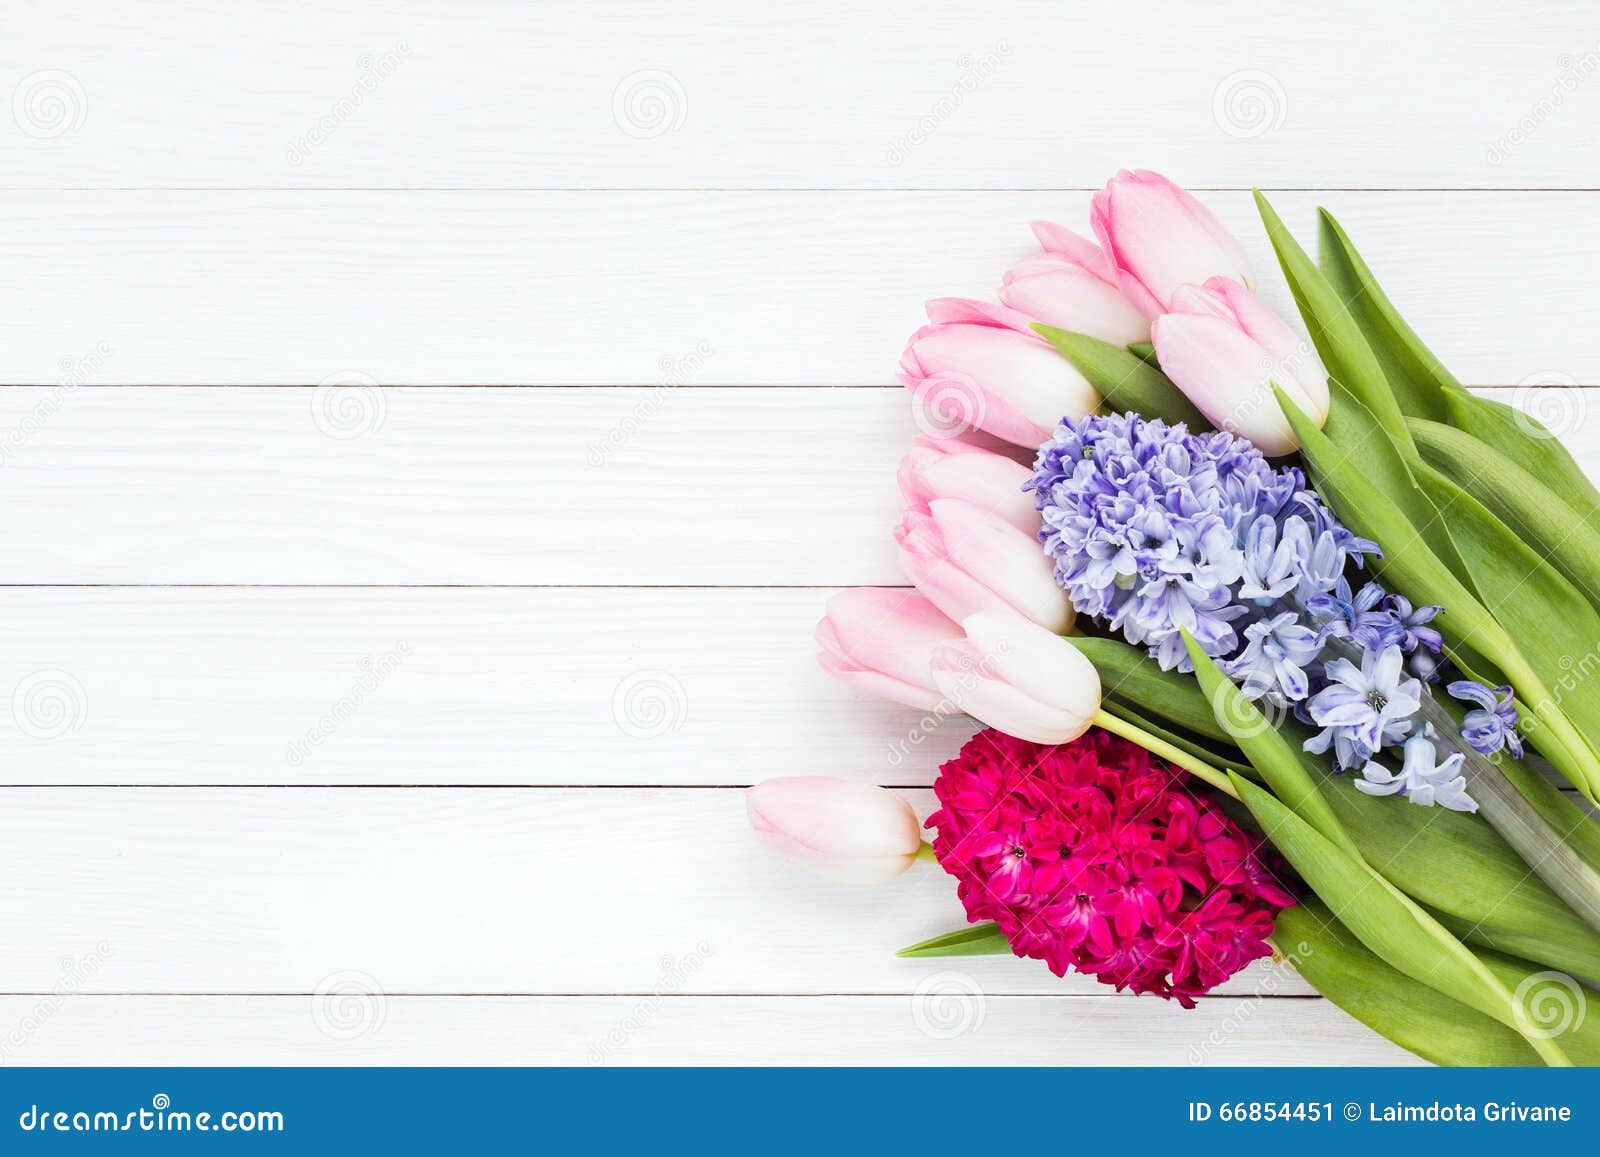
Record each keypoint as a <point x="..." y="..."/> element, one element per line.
<point x="1016" y="93"/>
<point x="955" y="1029"/>
<point x="614" y="487"/>
<point x="676" y="288"/>
<point x="528" y="891"/>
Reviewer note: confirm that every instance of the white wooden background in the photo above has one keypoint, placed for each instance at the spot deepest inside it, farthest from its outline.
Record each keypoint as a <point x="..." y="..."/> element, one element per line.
<point x="431" y="428"/>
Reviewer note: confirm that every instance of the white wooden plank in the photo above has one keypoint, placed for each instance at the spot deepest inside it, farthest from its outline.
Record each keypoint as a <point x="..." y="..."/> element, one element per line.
<point x="690" y="486"/>
<point x="457" y="891"/>
<point x="730" y="288"/>
<point x="1004" y="94"/>
<point x="682" y="1030"/>
<point x="438" y="686"/>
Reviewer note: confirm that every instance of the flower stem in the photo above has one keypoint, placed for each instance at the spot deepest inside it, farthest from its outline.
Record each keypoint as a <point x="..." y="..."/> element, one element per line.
<point x="925" y="852"/>
<point x="1157" y="746"/>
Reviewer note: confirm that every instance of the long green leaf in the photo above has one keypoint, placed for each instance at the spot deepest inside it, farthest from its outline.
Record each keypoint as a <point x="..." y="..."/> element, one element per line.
<point x="1525" y="439"/>
<point x="984" y="939"/>
<point x="1415" y="375"/>
<point x="1333" y="328"/>
<point x="1125" y="380"/>
<point x="1388" y="922"/>
<point x="1523" y="502"/>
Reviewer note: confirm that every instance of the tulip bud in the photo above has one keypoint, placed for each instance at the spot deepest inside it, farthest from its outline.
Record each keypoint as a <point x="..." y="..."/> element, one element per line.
<point x="950" y="468"/>
<point x="979" y="367"/>
<point x="1019" y="678"/>
<point x="882" y="641"/>
<point x="1159" y="237"/>
<point x="1071" y="286"/>
<point x="850" y="831"/>
<point x="967" y="559"/>
<point x="1225" y="349"/>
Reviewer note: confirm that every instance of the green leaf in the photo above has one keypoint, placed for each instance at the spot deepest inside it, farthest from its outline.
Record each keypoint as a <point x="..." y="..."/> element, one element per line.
<point x="1414" y="374"/>
<point x="1334" y="330"/>
<point x="1274" y="757"/>
<point x="1386" y="1000"/>
<point x="1145" y="351"/>
<point x="1523" y="438"/>
<point x="1387" y="921"/>
<point x="1129" y="674"/>
<point x="1124" y="379"/>
<point x="983" y="939"/>
<point x="1521" y="501"/>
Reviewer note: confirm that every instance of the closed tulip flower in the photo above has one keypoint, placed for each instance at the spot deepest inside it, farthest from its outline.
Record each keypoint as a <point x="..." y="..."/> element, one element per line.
<point x="1224" y="349"/>
<point x="882" y="641"/>
<point x="1159" y="237"/>
<point x="849" y="831"/>
<point x="979" y="367"/>
<point x="950" y="468"/>
<point x="967" y="559"/>
<point x="1072" y="286"/>
<point x="1019" y="678"/>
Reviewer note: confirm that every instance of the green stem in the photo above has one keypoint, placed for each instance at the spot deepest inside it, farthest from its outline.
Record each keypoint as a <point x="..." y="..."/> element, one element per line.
<point x="1157" y="746"/>
<point x="925" y="852"/>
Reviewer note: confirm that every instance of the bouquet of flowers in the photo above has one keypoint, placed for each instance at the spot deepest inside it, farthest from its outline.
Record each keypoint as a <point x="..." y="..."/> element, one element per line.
<point x="1280" y="646"/>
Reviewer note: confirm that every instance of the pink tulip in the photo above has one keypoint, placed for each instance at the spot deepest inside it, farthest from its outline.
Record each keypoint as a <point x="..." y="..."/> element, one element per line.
<point x="882" y="642"/>
<point x="1072" y="286"/>
<point x="1224" y="349"/>
<point x="966" y="559"/>
<point x="1159" y="237"/>
<point x="950" y="468"/>
<point x="979" y="367"/>
<point x="1018" y="678"/>
<point x="850" y="831"/>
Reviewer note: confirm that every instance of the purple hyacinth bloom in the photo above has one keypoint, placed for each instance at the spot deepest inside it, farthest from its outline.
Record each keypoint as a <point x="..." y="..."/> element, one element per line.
<point x="1417" y="634"/>
<point x="1494" y="724"/>
<point x="1373" y="704"/>
<point x="1274" y="660"/>
<point x="1422" y="778"/>
<point x="1360" y="617"/>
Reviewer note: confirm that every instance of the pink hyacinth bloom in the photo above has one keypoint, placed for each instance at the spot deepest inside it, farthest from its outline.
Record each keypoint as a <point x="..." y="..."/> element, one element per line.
<point x="849" y="831"/>
<point x="979" y="367"/>
<point x="1225" y="349"/>
<point x="1073" y="287"/>
<point x="882" y="642"/>
<point x="967" y="559"/>
<point x="1097" y="857"/>
<point x="1160" y="237"/>
<point x="951" y="468"/>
